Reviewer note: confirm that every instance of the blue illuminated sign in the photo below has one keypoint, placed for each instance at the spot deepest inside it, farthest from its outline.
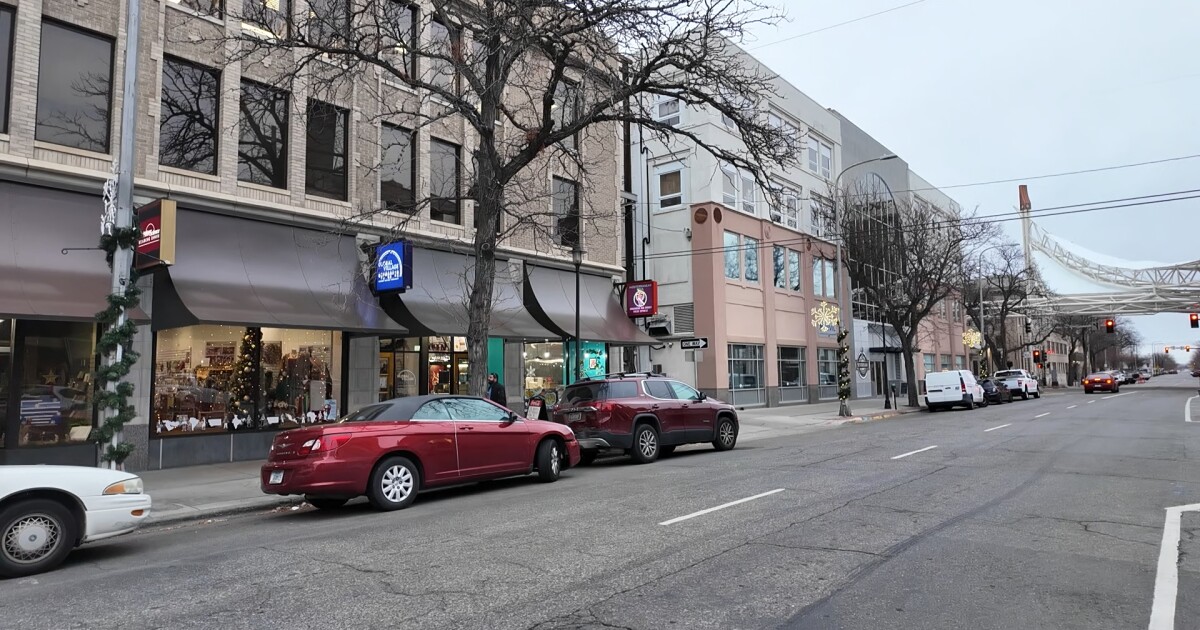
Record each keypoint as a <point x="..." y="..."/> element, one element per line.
<point x="393" y="267"/>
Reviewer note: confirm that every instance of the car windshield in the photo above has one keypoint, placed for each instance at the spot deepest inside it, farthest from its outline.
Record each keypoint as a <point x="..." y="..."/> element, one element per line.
<point x="366" y="414"/>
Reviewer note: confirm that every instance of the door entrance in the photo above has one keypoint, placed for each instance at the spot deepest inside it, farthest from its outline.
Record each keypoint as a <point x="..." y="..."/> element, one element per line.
<point x="877" y="378"/>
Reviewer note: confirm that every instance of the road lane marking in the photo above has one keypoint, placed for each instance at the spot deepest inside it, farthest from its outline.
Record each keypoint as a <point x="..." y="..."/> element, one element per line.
<point x="1091" y="402"/>
<point x="999" y="427"/>
<point x="1166" y="584"/>
<point x="920" y="450"/>
<point x="1187" y="409"/>
<point x="1042" y="415"/>
<point x="1118" y="395"/>
<point x="720" y="507"/>
<point x="1072" y="406"/>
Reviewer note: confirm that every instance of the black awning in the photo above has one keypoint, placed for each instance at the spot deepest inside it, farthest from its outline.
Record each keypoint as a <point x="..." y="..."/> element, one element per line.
<point x="233" y="270"/>
<point x="437" y="303"/>
<point x="550" y="296"/>
<point x="887" y="350"/>
<point x="36" y="278"/>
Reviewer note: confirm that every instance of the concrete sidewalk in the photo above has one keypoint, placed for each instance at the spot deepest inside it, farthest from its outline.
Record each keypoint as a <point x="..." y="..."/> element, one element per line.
<point x="199" y="492"/>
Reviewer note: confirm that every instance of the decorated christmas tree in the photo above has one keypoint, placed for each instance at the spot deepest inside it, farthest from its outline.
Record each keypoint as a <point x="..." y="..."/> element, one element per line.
<point x="244" y="391"/>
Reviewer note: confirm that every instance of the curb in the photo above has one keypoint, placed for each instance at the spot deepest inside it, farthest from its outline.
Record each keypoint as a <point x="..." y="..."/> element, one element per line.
<point x="881" y="416"/>
<point x="228" y="508"/>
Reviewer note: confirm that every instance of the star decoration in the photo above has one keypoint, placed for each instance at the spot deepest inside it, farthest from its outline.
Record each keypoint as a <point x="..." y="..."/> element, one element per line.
<point x="50" y="378"/>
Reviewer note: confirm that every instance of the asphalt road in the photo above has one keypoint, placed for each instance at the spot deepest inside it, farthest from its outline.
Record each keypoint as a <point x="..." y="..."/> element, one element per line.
<point x="1053" y="520"/>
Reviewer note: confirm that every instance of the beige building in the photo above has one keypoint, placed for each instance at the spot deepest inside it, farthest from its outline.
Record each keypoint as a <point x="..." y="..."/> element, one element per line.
<point x="283" y="190"/>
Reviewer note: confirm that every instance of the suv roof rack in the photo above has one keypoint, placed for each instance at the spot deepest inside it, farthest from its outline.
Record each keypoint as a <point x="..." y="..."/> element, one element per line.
<point x="621" y="375"/>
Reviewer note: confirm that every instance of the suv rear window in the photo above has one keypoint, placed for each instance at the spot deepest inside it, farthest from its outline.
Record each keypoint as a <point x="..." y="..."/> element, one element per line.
<point x="585" y="393"/>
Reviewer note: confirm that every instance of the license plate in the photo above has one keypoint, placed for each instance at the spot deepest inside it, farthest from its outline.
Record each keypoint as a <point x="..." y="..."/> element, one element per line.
<point x="574" y="416"/>
<point x="276" y="476"/>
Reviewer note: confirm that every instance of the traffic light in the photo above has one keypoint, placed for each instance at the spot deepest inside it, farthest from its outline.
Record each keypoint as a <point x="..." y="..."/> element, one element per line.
<point x="1110" y="326"/>
<point x="1167" y="350"/>
<point x="1037" y="357"/>
<point x="1194" y="318"/>
<point x="1028" y="327"/>
<point x="1187" y="348"/>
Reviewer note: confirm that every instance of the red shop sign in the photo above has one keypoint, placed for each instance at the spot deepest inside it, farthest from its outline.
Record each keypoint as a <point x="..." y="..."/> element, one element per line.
<point x="641" y="298"/>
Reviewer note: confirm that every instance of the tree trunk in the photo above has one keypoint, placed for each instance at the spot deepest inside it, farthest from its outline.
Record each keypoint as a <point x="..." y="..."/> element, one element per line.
<point x="910" y="372"/>
<point x="488" y="204"/>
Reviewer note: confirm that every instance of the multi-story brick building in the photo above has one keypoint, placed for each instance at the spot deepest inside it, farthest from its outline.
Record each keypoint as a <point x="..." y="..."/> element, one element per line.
<point x="280" y="191"/>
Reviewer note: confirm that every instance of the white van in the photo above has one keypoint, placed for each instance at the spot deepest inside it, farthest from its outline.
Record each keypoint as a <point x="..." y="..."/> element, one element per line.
<point x="953" y="388"/>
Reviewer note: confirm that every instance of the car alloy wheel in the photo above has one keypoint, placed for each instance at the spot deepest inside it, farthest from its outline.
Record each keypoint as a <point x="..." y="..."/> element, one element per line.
<point x="647" y="443"/>
<point x="726" y="435"/>
<point x="32" y="538"/>
<point x="548" y="459"/>
<point x="396" y="483"/>
<point x="555" y="460"/>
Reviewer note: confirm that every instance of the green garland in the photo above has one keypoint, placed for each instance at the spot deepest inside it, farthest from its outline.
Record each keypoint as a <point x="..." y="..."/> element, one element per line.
<point x="117" y="337"/>
<point x="843" y="365"/>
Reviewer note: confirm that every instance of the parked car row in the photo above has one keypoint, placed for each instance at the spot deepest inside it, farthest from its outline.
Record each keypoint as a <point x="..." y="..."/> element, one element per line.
<point x="955" y="388"/>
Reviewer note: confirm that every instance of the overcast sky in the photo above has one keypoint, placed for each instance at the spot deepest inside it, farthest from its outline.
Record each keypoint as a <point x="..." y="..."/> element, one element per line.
<point x="971" y="91"/>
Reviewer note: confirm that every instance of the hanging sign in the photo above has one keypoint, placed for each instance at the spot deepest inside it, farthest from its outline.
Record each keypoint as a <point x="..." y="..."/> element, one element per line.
<point x="393" y="267"/>
<point x="156" y="245"/>
<point x="641" y="298"/>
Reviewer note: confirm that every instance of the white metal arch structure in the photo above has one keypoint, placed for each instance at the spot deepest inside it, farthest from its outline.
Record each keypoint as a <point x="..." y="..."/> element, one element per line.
<point x="1181" y="275"/>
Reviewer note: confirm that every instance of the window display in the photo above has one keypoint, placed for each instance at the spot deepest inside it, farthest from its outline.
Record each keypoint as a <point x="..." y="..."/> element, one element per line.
<point x="399" y="368"/>
<point x="222" y="378"/>
<point x="544" y="367"/>
<point x="56" y="360"/>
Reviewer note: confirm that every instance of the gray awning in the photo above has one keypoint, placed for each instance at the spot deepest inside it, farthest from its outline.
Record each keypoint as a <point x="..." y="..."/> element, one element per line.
<point x="232" y="270"/>
<point x="437" y="303"/>
<point x="36" y="278"/>
<point x="550" y="296"/>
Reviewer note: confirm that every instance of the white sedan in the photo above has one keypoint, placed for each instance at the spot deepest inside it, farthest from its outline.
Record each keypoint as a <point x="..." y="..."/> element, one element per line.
<point x="46" y="511"/>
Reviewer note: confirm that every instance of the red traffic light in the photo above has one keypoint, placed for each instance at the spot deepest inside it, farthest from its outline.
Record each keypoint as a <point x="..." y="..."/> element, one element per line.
<point x="1194" y="318"/>
<point x="1109" y="325"/>
<point x="1167" y="350"/>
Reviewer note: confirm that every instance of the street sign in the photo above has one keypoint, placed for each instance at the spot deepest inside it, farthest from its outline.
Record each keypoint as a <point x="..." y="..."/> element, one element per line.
<point x="694" y="343"/>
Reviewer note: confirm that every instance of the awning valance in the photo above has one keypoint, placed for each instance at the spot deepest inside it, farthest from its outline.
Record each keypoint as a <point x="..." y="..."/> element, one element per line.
<point x="550" y="296"/>
<point x="437" y="304"/>
<point x="36" y="278"/>
<point x="233" y="270"/>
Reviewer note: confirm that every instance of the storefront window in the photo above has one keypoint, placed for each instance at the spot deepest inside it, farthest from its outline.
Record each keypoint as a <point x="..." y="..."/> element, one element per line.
<point x="399" y="368"/>
<point x="827" y="370"/>
<point x="5" y="374"/>
<point x="55" y="382"/>
<point x="544" y="367"/>
<point x="745" y="366"/>
<point x="221" y="378"/>
<point x="448" y="366"/>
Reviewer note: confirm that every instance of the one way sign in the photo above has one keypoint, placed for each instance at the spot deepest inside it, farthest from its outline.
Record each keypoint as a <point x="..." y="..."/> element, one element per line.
<point x="694" y="343"/>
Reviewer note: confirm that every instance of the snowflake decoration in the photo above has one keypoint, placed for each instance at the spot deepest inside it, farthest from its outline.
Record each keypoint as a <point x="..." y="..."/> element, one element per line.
<point x="972" y="339"/>
<point x="826" y="317"/>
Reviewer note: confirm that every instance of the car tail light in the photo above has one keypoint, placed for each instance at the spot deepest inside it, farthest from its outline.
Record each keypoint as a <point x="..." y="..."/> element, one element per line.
<point x="962" y="384"/>
<point x="324" y="444"/>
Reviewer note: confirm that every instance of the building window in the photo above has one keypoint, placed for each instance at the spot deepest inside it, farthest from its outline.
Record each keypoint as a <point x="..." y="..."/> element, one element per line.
<point x="827" y="370"/>
<point x="187" y="124"/>
<point x="945" y="362"/>
<point x="956" y="310"/>
<point x="325" y="150"/>
<point x="445" y="181"/>
<point x="749" y="196"/>
<point x="785" y="207"/>
<point x="267" y="17"/>
<point x="398" y="171"/>
<point x="565" y="110"/>
<point x="214" y="8"/>
<point x="824" y="278"/>
<point x="328" y="23"/>
<point x="729" y="185"/>
<point x="400" y="20"/>
<point x="794" y="270"/>
<point x="793" y="368"/>
<point x="49" y="366"/>
<point x="820" y="156"/>
<point x="667" y="111"/>
<point x="74" y="97"/>
<point x="444" y="42"/>
<point x="733" y="257"/>
<point x="212" y="379"/>
<point x="960" y="362"/>
<point x="6" y="48"/>
<point x="566" y="212"/>
<point x="751" y="247"/>
<point x="746" y="366"/>
<point x="778" y="256"/>
<point x="928" y="358"/>
<point x="824" y="224"/>
<point x="670" y="189"/>
<point x="263" y="135"/>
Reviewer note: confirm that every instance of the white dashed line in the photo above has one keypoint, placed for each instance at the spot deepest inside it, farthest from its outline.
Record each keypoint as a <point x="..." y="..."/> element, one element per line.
<point x="1042" y="415"/>
<point x="999" y="427"/>
<point x="1072" y="406"/>
<point x="1091" y="402"/>
<point x="920" y="450"/>
<point x="720" y="507"/>
<point x="1118" y="395"/>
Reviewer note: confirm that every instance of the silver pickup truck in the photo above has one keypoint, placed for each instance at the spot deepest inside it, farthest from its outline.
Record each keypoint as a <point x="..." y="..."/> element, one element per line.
<point x="1020" y="383"/>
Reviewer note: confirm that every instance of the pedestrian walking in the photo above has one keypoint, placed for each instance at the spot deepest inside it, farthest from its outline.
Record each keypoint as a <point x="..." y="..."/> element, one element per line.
<point x="495" y="390"/>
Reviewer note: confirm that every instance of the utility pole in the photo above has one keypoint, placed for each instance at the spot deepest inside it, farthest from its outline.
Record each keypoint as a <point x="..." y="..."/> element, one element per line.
<point x="123" y="257"/>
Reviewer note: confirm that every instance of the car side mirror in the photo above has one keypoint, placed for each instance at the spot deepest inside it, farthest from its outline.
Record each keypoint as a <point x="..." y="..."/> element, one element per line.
<point x="700" y="396"/>
<point x="512" y="417"/>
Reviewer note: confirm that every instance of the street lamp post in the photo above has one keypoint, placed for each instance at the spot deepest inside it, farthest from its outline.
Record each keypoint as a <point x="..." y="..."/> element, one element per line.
<point x="844" y="409"/>
<point x="577" y="258"/>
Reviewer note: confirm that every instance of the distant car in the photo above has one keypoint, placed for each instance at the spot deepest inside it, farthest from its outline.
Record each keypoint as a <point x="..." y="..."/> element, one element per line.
<point x="645" y="415"/>
<point x="1196" y="373"/>
<point x="1172" y="371"/>
<point x="952" y="388"/>
<point x="390" y="451"/>
<point x="1101" y="381"/>
<point x="1020" y="382"/>
<point x="995" y="391"/>
<point x="46" y="511"/>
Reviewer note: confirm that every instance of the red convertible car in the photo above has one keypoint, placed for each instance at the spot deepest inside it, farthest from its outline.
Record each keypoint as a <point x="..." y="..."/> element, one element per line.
<point x="392" y="450"/>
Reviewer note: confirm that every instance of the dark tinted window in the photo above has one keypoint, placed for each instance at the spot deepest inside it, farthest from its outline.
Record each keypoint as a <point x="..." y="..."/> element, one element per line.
<point x="366" y="414"/>
<point x="659" y="389"/>
<point x="444" y="180"/>
<point x="6" y="46"/>
<point x="432" y="410"/>
<point x="187" y="125"/>
<point x="586" y="393"/>
<point x="74" y="88"/>
<point x="328" y="23"/>
<point x="400" y="26"/>
<point x="262" y="139"/>
<point x="398" y="170"/>
<point x="474" y="409"/>
<point x="622" y="389"/>
<point x="565" y="199"/>
<point x="325" y="150"/>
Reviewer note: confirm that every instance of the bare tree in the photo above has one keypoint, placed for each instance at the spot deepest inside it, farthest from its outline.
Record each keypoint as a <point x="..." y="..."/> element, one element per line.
<point x="904" y="258"/>
<point x="1110" y="350"/>
<point x="1078" y="331"/>
<point x="1008" y="284"/>
<point x="533" y="88"/>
